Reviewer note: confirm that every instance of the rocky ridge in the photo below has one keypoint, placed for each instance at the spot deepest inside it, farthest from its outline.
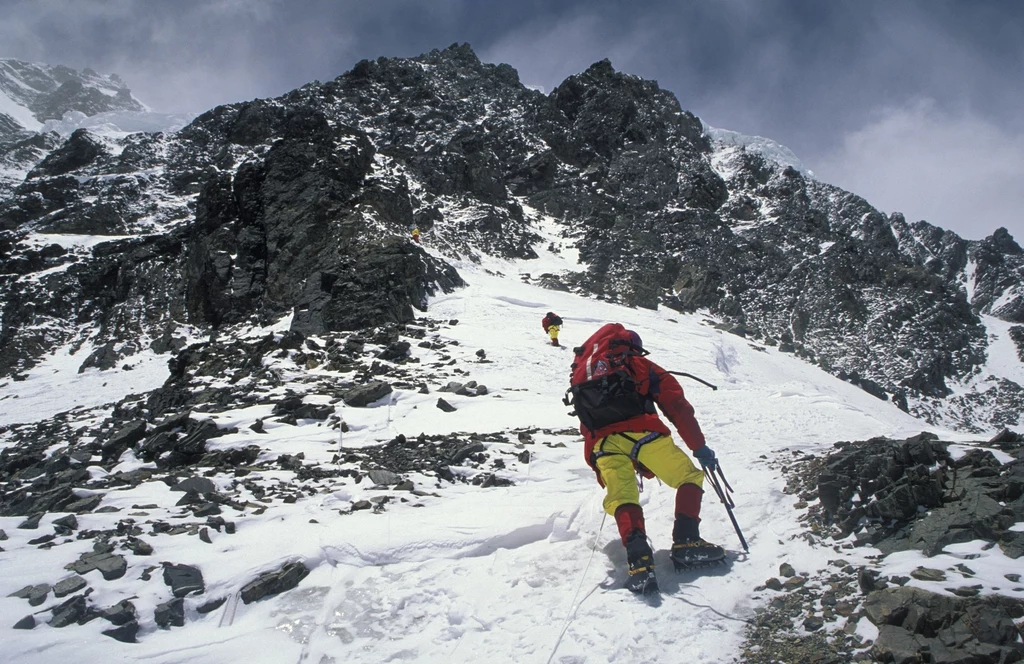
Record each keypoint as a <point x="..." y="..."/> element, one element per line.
<point x="302" y="205"/>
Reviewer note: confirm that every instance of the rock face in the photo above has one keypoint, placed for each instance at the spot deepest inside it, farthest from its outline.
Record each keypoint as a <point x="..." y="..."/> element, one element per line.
<point x="896" y="495"/>
<point x="912" y="622"/>
<point x="912" y="494"/>
<point x="19" y="153"/>
<point x="302" y="206"/>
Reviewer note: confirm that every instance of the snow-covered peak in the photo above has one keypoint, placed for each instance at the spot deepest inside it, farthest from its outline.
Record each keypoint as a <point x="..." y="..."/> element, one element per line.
<point x="767" y="148"/>
<point x="32" y="93"/>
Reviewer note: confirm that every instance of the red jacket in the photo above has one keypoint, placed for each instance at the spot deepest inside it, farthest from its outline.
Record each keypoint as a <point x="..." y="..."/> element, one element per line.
<point x="668" y="394"/>
<point x="547" y="322"/>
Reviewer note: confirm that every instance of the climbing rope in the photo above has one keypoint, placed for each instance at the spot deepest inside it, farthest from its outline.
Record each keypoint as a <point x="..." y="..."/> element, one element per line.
<point x="712" y="609"/>
<point x="576" y="605"/>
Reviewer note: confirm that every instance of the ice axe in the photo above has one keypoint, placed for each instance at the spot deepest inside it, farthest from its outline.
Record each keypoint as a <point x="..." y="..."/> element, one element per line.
<point x="724" y="492"/>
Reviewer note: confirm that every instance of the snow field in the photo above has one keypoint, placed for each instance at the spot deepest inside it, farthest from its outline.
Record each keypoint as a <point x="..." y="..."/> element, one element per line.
<point x="526" y="573"/>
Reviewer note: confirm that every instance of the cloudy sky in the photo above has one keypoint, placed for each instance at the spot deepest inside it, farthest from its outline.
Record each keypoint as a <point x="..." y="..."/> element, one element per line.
<point x="915" y="105"/>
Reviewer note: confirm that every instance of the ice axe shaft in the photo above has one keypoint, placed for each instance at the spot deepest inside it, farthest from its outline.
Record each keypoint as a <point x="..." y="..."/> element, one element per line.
<point x="692" y="377"/>
<point x="726" y="498"/>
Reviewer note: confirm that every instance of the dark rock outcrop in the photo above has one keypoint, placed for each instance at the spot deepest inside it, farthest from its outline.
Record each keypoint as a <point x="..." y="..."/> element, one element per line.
<point x="912" y="622"/>
<point x="273" y="583"/>
<point x="895" y="495"/>
<point x="912" y="494"/>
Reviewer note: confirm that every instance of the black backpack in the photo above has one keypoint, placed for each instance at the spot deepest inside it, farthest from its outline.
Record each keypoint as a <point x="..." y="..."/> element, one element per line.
<point x="602" y="386"/>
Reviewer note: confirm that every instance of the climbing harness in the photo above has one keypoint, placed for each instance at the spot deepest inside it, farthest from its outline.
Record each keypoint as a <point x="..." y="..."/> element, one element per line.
<point x="633" y="454"/>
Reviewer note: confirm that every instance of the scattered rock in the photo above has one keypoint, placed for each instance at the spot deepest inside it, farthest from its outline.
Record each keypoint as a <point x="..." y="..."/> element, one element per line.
<point x="170" y="614"/>
<point x="65" y="587"/>
<point x="127" y="633"/>
<point x="273" y="583"/>
<point x="35" y="595"/>
<point x="183" y="579"/>
<point x="813" y="623"/>
<point x="69" y="612"/>
<point x="364" y="395"/>
<point x="110" y="565"/>
<point x="197" y="485"/>
<point x="211" y="606"/>
<point x="140" y="547"/>
<point x="32" y="522"/>
<point x="28" y="622"/>
<point x="793" y="583"/>
<point x="928" y="574"/>
<point x="383" y="477"/>
<point x="121" y="613"/>
<point x="65" y="524"/>
<point x="465" y="452"/>
<point x="125" y="437"/>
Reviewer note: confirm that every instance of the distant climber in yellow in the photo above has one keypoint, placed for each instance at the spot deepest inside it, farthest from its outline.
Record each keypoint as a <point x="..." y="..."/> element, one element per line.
<point x="552" y="324"/>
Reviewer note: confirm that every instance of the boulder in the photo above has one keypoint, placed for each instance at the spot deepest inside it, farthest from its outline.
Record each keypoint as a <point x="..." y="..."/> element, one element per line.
<point x="273" y="583"/>
<point x="364" y="395"/>
<point x="183" y="579"/>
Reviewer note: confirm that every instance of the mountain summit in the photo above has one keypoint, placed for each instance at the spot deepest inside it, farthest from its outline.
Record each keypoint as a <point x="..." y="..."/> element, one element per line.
<point x="302" y="206"/>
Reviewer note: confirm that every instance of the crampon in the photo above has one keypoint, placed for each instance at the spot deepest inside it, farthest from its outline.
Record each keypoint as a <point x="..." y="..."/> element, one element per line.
<point x="697" y="553"/>
<point x="642" y="582"/>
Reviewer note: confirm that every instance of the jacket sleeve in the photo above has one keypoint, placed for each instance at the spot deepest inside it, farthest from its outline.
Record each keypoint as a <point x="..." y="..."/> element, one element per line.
<point x="668" y="394"/>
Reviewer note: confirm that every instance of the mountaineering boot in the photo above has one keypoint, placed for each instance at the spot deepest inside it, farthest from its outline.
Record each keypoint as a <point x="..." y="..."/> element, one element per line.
<point x="697" y="553"/>
<point x="689" y="549"/>
<point x="554" y="342"/>
<point x="641" y="564"/>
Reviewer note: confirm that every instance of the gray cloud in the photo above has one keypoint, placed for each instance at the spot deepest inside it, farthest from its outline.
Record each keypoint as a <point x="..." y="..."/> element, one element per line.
<point x="840" y="83"/>
<point x="933" y="164"/>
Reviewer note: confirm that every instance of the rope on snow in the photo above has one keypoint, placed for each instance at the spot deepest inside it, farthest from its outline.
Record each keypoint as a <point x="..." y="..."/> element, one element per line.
<point x="576" y="605"/>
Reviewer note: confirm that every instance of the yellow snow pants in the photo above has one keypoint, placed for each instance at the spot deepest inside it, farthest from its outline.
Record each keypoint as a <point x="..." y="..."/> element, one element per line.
<point x="661" y="456"/>
<point x="553" y="331"/>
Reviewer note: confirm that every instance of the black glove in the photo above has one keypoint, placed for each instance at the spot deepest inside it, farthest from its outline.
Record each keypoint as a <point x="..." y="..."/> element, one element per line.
<point x="707" y="459"/>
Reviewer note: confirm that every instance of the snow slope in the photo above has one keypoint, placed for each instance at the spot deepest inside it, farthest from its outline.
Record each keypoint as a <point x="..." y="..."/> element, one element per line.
<point x="18" y="113"/>
<point x="525" y="573"/>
